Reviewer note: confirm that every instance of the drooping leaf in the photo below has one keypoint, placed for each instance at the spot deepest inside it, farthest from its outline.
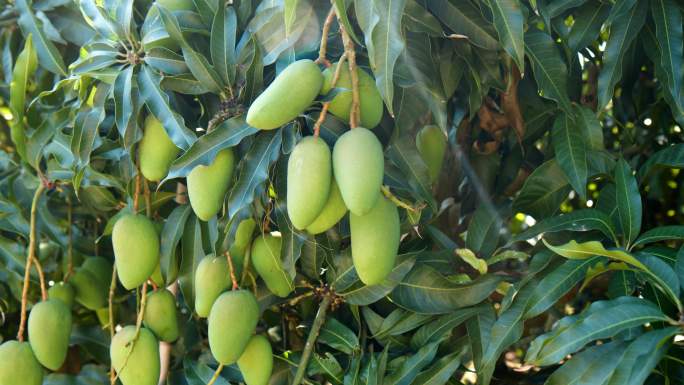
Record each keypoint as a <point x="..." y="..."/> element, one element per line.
<point x="543" y="191"/>
<point x="661" y="233"/>
<point x="436" y="330"/>
<point x="338" y="336"/>
<point x="413" y="364"/>
<point x="483" y="230"/>
<point x="223" y="33"/>
<point x="48" y="55"/>
<point x="667" y="17"/>
<point x="575" y="250"/>
<point x="588" y="22"/>
<point x="669" y="157"/>
<point x="170" y="237"/>
<point x="465" y="20"/>
<point x="508" y="21"/>
<point x="629" y="207"/>
<point x="571" y="152"/>
<point x="550" y="70"/>
<point x="579" y="220"/>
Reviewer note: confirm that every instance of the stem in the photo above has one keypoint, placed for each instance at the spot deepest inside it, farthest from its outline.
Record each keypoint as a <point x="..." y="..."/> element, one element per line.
<point x="112" y="288"/>
<point x="29" y="260"/>
<point x="321" y="119"/>
<point x="355" y="113"/>
<point x="386" y="191"/>
<point x="216" y="374"/>
<point x="136" y="194"/>
<point x="232" y="271"/>
<point x="311" y="340"/>
<point x="324" y="38"/>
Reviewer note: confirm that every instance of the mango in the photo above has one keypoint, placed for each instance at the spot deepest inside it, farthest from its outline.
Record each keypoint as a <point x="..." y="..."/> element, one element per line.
<point x="207" y="185"/>
<point x="64" y="292"/>
<point x="136" y="249"/>
<point x="432" y="143"/>
<point x="18" y="365"/>
<point x="359" y="165"/>
<point x="157" y="151"/>
<point x="375" y="241"/>
<point x="256" y="362"/>
<point x="142" y="366"/>
<point x="232" y="321"/>
<point x="160" y="315"/>
<point x="243" y="237"/>
<point x="156" y="276"/>
<point x="332" y="212"/>
<point x="371" y="106"/>
<point x="212" y="277"/>
<point x="266" y="261"/>
<point x="103" y="314"/>
<point x="89" y="291"/>
<point x="49" y="328"/>
<point x="290" y="93"/>
<point x="309" y="172"/>
<point x="100" y="267"/>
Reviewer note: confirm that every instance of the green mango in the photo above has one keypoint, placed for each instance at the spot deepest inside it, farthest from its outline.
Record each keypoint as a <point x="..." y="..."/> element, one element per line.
<point x="212" y="277"/>
<point x="256" y="362"/>
<point x="232" y="321"/>
<point x="142" y="366"/>
<point x="371" y="107"/>
<point x="375" y="241"/>
<point x="207" y="185"/>
<point x="64" y="292"/>
<point x="266" y="261"/>
<point x="243" y="237"/>
<point x="103" y="314"/>
<point x="332" y="212"/>
<point x="309" y="172"/>
<point x="160" y="315"/>
<point x="156" y="276"/>
<point x="157" y="151"/>
<point x="100" y="267"/>
<point x="89" y="291"/>
<point x="18" y="365"/>
<point x="359" y="165"/>
<point x="432" y="143"/>
<point x="290" y="93"/>
<point x="49" y="328"/>
<point x="136" y="249"/>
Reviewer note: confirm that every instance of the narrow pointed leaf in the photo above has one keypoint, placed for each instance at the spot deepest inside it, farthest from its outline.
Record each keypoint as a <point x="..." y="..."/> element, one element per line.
<point x="508" y="21"/>
<point x="571" y="152"/>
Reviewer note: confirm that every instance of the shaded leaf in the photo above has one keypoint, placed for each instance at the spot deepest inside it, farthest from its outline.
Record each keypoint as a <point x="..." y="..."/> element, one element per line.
<point x="628" y="201"/>
<point x="571" y="152"/>
<point x="549" y="68"/>
<point x="578" y="220"/>
<point x="508" y="21"/>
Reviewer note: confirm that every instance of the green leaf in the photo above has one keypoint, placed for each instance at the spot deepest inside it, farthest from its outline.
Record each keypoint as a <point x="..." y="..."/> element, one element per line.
<point x="290" y="14"/>
<point x="341" y="7"/>
<point x="465" y="20"/>
<point x="413" y="364"/>
<point x="641" y="357"/>
<point x="254" y="169"/>
<point x="404" y="154"/>
<point x="124" y="107"/>
<point x="166" y="61"/>
<point x="483" y="230"/>
<point x="170" y="237"/>
<point x="158" y="103"/>
<point x="48" y="55"/>
<point x="543" y="192"/>
<point x="509" y="22"/>
<point x="356" y="292"/>
<point x="575" y="250"/>
<point x="327" y="366"/>
<point x="659" y="234"/>
<point x="441" y="371"/>
<point x="603" y="319"/>
<point x="579" y="220"/>
<point x="550" y="70"/>
<point x="623" y="30"/>
<point x="438" y="329"/>
<point x="85" y="134"/>
<point x="667" y="17"/>
<point x="424" y="290"/>
<point x="24" y="68"/>
<point x="339" y="337"/>
<point x="590" y="126"/>
<point x="571" y="152"/>
<point x="669" y="157"/>
<point x="469" y="257"/>
<point x="100" y="20"/>
<point x="587" y="26"/>
<point x="223" y="33"/>
<point x="479" y="330"/>
<point x="418" y="19"/>
<point x="191" y="255"/>
<point x="592" y="366"/>
<point x="227" y="134"/>
<point x="628" y="200"/>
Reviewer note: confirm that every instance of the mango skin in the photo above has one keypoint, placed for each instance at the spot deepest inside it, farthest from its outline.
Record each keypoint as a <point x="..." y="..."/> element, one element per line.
<point x="375" y="241"/>
<point x="309" y="172"/>
<point x="142" y="367"/>
<point x="136" y="249"/>
<point x="157" y="151"/>
<point x="160" y="315"/>
<point x="207" y="185"/>
<point x="243" y="237"/>
<point x="256" y="363"/>
<point x="359" y="165"/>
<point x="332" y="212"/>
<point x="212" y="277"/>
<point x="49" y="328"/>
<point x="371" y="105"/>
<point x="290" y="93"/>
<point x="64" y="292"/>
<point x="232" y="321"/>
<point x="89" y="291"/>
<point x="266" y="260"/>
<point x="100" y="267"/>
<point x="432" y="143"/>
<point x="18" y="365"/>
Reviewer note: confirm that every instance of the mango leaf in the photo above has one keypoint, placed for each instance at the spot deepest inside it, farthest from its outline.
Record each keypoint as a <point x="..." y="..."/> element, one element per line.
<point x="508" y="22"/>
<point x="338" y="336"/>
<point x="223" y="34"/>
<point x="641" y="356"/>
<point x="171" y="235"/>
<point x="628" y="200"/>
<point x="124" y="107"/>
<point x="227" y="134"/>
<point x="624" y="29"/>
<point x="426" y="291"/>
<point x="100" y="20"/>
<point x="548" y="66"/>
<point x="360" y="294"/>
<point x="667" y="280"/>
<point x="603" y="319"/>
<point x="199" y="373"/>
<point x="441" y="371"/>
<point x="571" y="152"/>
<point x="341" y="7"/>
<point x="413" y="364"/>
<point x="483" y="230"/>
<point x="543" y="191"/>
<point x="588" y="22"/>
<point x="290" y="14"/>
<point x="24" y="68"/>
<point x="465" y="20"/>
<point x="575" y="250"/>
<point x="441" y="327"/>
<point x="591" y="366"/>
<point x="667" y="17"/>
<point x="327" y="366"/>
<point x="590" y="127"/>
<point x="166" y="61"/>
<point x="406" y="157"/>
<point x="292" y="241"/>
<point x="669" y="157"/>
<point x="85" y="134"/>
<point x="158" y="103"/>
<point x="192" y="253"/>
<point x="578" y="220"/>
<point x="48" y="55"/>
<point x="471" y="259"/>
<point x="254" y="169"/>
<point x="661" y="233"/>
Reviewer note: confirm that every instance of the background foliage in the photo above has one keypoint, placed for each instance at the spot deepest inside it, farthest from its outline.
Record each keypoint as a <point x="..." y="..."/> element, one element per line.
<point x="564" y="120"/>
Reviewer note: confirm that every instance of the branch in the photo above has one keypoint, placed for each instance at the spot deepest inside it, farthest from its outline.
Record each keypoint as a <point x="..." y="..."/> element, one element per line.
<point x="311" y="340"/>
<point x="324" y="38"/>
<point x="355" y="113"/>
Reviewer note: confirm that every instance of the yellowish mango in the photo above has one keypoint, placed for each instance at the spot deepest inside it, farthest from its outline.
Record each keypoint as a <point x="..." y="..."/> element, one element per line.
<point x="18" y="365"/>
<point x="160" y="315"/>
<point x="207" y="185"/>
<point x="432" y="143"/>
<point x="157" y="151"/>
<point x="212" y="277"/>
<point x="232" y="321"/>
<point x="49" y="328"/>
<point x="266" y="261"/>
<point x="136" y="249"/>
<point x="142" y="367"/>
<point x="256" y="362"/>
<point x="332" y="212"/>
<point x="309" y="172"/>
<point x="371" y="105"/>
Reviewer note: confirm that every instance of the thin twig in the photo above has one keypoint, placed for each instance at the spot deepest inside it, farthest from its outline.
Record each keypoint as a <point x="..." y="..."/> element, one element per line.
<point x="338" y="70"/>
<point x="324" y="38"/>
<point x="216" y="375"/>
<point x="41" y="278"/>
<point x="311" y="340"/>
<point x="321" y="119"/>
<point x="355" y="113"/>
<point x="112" y="289"/>
<point x="233" y="279"/>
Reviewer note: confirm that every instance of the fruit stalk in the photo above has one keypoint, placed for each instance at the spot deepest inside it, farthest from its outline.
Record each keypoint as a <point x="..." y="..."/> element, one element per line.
<point x="324" y="38"/>
<point x="29" y="260"/>
<point x="311" y="339"/>
<point x="216" y="375"/>
<point x="355" y="113"/>
<point x="326" y="105"/>
<point x="148" y="199"/>
<point x="233" y="279"/>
